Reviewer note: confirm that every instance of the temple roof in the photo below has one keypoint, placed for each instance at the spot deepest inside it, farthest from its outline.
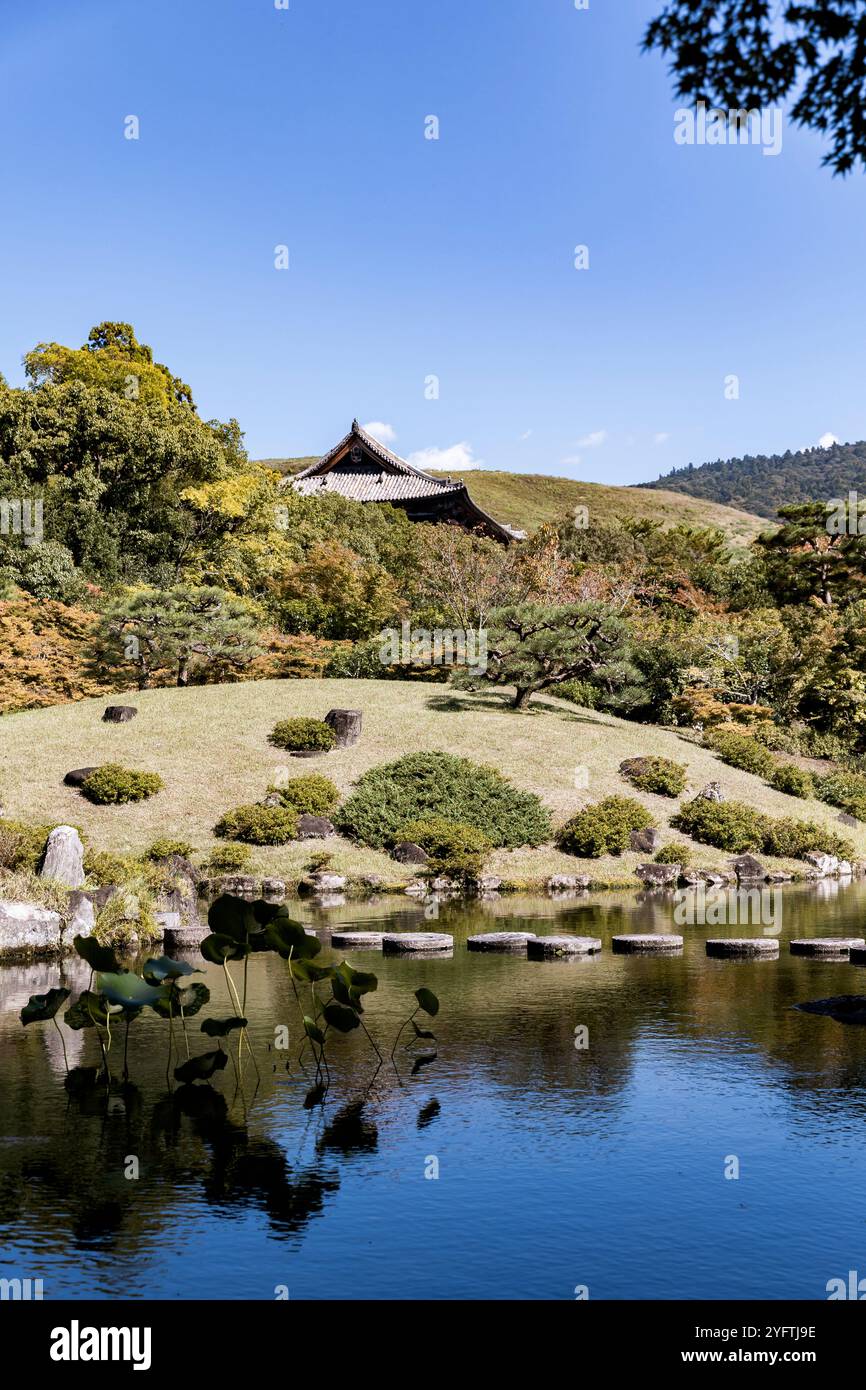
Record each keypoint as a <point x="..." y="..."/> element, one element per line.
<point x="365" y="470"/>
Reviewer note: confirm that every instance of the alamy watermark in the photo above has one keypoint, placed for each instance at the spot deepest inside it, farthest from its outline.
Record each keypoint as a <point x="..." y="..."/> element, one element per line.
<point x="19" y="516"/>
<point x="438" y="646"/>
<point x="707" y="125"/>
<point x="717" y="907"/>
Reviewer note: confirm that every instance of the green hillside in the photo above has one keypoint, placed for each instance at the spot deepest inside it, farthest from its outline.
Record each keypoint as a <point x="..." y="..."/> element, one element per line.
<point x="527" y="500"/>
<point x="763" y="483"/>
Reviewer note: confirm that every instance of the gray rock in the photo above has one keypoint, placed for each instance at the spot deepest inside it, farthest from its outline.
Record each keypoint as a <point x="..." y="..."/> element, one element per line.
<point x="656" y="943"/>
<point x="561" y="884"/>
<point x="119" y="714"/>
<point x="658" y="875"/>
<point x="78" y="776"/>
<point x="346" y="724"/>
<point x="744" y="946"/>
<point x="416" y="889"/>
<point x="357" y="940"/>
<point x="847" y="819"/>
<point x="511" y="941"/>
<point x="825" y="864"/>
<point x="273" y="799"/>
<point x="29" y="930"/>
<point x="82" y="918"/>
<point x="368" y="883"/>
<point x="320" y="883"/>
<point x="408" y="853"/>
<point x="644" y="841"/>
<point x="315" y="827"/>
<point x="846" y="868"/>
<point x="748" y="869"/>
<point x="403" y="943"/>
<point x="487" y="883"/>
<point x="238" y="886"/>
<point x="169" y="921"/>
<point x="185" y="936"/>
<point x="712" y="792"/>
<point x="779" y="876"/>
<point x="273" y="890"/>
<point x="838" y="946"/>
<point x="560" y="947"/>
<point x="450" y="887"/>
<point x="63" y="860"/>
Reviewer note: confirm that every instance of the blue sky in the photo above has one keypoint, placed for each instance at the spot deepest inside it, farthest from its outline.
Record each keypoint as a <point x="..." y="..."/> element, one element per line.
<point x="410" y="257"/>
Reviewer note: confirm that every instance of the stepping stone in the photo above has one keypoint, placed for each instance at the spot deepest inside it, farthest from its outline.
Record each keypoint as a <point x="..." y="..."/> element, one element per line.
<point x="361" y="940"/>
<point x="403" y="942"/>
<point x="559" y="947"/>
<point x="184" y="935"/>
<point x="744" y="946"/>
<point x="827" y="946"/>
<point x="501" y="941"/>
<point x="857" y="955"/>
<point x="652" y="944"/>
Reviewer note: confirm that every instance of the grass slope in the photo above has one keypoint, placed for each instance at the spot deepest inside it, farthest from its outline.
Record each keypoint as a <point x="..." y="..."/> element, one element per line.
<point x="209" y="743"/>
<point x="527" y="500"/>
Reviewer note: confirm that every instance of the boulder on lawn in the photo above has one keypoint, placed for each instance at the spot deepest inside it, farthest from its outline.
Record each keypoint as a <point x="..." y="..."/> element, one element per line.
<point x="321" y="885"/>
<point x="346" y="724"/>
<point x="566" y="885"/>
<point x="644" y="841"/>
<point x="29" y="930"/>
<point x="748" y="869"/>
<point x="78" y="776"/>
<point x="82" y="919"/>
<point x="712" y="792"/>
<point x="119" y="714"/>
<point x="824" y="864"/>
<point x="273" y="890"/>
<point x="315" y="827"/>
<point x="847" y="819"/>
<point x="63" y="860"/>
<point x="659" y="875"/>
<point x="406" y="852"/>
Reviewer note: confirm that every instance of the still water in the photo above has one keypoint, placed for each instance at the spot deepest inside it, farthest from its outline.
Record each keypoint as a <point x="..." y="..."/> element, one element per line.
<point x="558" y="1167"/>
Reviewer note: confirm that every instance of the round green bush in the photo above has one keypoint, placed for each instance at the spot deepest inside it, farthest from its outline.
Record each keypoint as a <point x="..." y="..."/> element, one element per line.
<point x="792" y="839"/>
<point x="659" y="775"/>
<point x="420" y="785"/>
<point x="259" y="825"/>
<point x="229" y="859"/>
<point x="728" y="825"/>
<point x="678" y="852"/>
<point x="793" y="780"/>
<point x="313" y="795"/>
<point x="738" y="750"/>
<point x="168" y="849"/>
<point x="113" y="785"/>
<point x="603" y="828"/>
<point x="847" y="790"/>
<point x="302" y="735"/>
<point x="22" y="846"/>
<point x="454" y="849"/>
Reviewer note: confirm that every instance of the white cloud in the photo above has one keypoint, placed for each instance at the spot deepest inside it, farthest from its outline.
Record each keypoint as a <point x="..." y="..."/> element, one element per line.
<point x="457" y="458"/>
<point x="525" y="435"/>
<point x="593" y="440"/>
<point x="573" y="461"/>
<point x="827" y="441"/>
<point x="386" y="434"/>
<point x="661" y="438"/>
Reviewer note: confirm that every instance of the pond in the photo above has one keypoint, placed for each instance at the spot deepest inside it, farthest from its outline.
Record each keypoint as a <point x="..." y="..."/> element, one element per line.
<point x="514" y="1165"/>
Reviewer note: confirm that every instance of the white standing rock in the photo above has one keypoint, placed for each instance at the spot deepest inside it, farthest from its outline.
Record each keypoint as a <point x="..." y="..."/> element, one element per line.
<point x="64" y="857"/>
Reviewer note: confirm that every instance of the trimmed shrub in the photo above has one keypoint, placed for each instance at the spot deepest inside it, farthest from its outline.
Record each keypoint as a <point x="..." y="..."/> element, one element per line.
<point x="792" y="839"/>
<point x="302" y="735"/>
<point x="738" y="750"/>
<point x="793" y="780"/>
<point x="659" y="775"/>
<point x="453" y="848"/>
<point x="728" y="825"/>
<point x="229" y="859"/>
<point x="103" y="867"/>
<point x="113" y="785"/>
<point x="168" y="849"/>
<point x="678" y="852"/>
<point x="314" y="795"/>
<point x="259" y="825"/>
<point x="22" y="846"/>
<point x="603" y="828"/>
<point x="421" y="785"/>
<point x="578" y="693"/>
<point x="847" y="790"/>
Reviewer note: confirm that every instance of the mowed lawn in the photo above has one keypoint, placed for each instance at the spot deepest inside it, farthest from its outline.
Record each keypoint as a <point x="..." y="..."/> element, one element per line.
<point x="210" y="746"/>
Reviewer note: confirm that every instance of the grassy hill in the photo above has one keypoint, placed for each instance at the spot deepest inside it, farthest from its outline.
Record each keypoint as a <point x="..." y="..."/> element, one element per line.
<point x="209" y="743"/>
<point x="527" y="500"/>
<point x="764" y="483"/>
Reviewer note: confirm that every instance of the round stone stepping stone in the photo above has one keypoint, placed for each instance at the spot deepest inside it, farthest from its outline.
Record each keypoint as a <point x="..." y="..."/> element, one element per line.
<point x="403" y="942"/>
<point x="559" y="947"/>
<point x="827" y="945"/>
<point x="185" y="936"/>
<point x="744" y="946"/>
<point x="358" y="940"/>
<point x="500" y="941"/>
<point x="652" y="944"/>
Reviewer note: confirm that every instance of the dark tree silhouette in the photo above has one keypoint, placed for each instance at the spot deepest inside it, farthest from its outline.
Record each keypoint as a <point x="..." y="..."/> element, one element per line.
<point x="737" y="54"/>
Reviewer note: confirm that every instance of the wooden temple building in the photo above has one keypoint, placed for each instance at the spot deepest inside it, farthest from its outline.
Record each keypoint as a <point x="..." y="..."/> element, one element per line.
<point x="361" y="468"/>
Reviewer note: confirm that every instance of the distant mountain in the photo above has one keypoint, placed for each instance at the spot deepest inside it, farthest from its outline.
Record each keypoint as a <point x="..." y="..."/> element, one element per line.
<point x="527" y="500"/>
<point x="762" y="484"/>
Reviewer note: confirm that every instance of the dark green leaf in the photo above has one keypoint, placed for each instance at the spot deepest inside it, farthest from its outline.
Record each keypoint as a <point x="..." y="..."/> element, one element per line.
<point x="422" y="1032"/>
<point x="97" y="957"/>
<point x="427" y="1001"/>
<point x="163" y="968"/>
<point x="87" y="1011"/>
<point x="218" y="949"/>
<point x="201" y="1068"/>
<point x="288" y="938"/>
<point x="341" y="1018"/>
<point x="221" y="1027"/>
<point x="41" y="1007"/>
<point x="309" y="973"/>
<point x="128" y="990"/>
<point x="313" y="1031"/>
